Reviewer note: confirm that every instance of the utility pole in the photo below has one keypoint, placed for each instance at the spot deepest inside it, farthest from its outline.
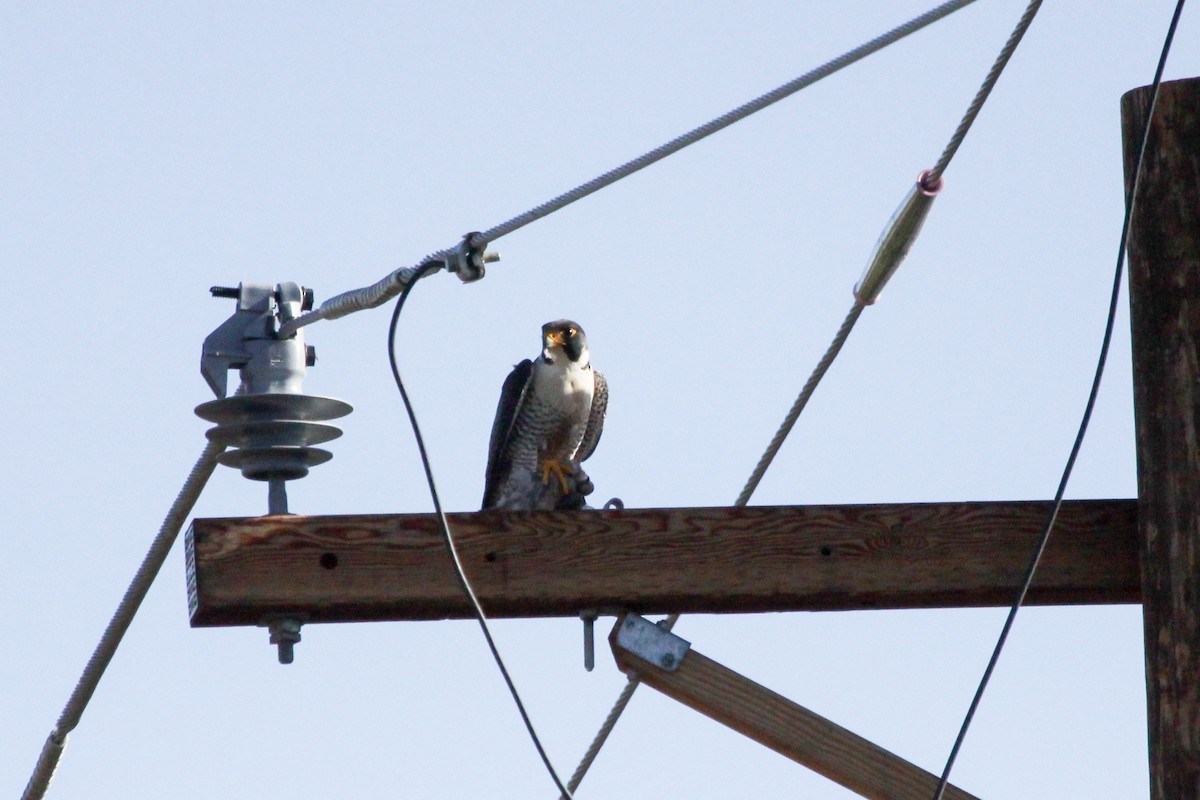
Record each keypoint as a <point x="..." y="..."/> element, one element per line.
<point x="284" y="571"/>
<point x="1164" y="281"/>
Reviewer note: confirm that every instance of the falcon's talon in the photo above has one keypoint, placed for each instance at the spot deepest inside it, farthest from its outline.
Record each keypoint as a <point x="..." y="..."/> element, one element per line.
<point x="558" y="469"/>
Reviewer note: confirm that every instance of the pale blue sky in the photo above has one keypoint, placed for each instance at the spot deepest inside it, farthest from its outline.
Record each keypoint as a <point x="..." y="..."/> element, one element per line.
<point x="153" y="150"/>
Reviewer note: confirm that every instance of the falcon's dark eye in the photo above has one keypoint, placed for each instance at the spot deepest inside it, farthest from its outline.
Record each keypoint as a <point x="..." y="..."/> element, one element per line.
<point x="571" y="331"/>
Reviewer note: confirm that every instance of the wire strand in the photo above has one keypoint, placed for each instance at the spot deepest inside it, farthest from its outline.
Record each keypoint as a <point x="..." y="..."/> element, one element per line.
<point x="760" y="469"/>
<point x="120" y="621"/>
<point x="606" y="728"/>
<point x="802" y="399"/>
<point x="448" y="538"/>
<point x="932" y="178"/>
<point x="1083" y="425"/>
<point x="392" y="284"/>
<point x="981" y="96"/>
<point x="741" y="112"/>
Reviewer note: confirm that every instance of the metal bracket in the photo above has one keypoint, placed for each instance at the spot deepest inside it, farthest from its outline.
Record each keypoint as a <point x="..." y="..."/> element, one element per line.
<point x="649" y="642"/>
<point x="247" y="340"/>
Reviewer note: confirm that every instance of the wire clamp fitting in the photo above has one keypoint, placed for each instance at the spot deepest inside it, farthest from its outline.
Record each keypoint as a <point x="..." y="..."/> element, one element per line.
<point x="466" y="260"/>
<point x="650" y="642"/>
<point x="896" y="240"/>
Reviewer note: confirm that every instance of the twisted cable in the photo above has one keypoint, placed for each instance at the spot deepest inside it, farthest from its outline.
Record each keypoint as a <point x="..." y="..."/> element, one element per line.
<point x="390" y="286"/>
<point x="723" y="121"/>
<point x="793" y="414"/>
<point x="981" y="96"/>
<point x="768" y="456"/>
<point x="120" y="621"/>
<point x="930" y="179"/>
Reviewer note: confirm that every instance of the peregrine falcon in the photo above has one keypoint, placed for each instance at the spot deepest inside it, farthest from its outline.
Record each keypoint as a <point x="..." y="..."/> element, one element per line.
<point x="549" y="419"/>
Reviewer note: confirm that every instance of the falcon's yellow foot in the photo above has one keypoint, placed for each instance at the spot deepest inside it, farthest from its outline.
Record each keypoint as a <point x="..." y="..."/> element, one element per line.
<point x="558" y="469"/>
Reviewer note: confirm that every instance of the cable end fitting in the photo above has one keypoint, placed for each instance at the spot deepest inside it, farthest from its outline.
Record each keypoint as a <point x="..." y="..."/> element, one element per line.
<point x="897" y="238"/>
<point x="927" y="185"/>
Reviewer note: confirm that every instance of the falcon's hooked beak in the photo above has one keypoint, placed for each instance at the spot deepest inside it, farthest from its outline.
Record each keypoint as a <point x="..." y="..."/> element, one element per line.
<point x="566" y="337"/>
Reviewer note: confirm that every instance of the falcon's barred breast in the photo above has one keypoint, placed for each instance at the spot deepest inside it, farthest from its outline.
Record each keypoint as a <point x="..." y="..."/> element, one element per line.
<point x="549" y="419"/>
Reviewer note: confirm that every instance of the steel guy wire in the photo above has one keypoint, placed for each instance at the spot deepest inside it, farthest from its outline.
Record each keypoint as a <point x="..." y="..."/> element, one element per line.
<point x="448" y="538"/>
<point x="610" y="722"/>
<point x="724" y="121"/>
<point x="120" y="621"/>
<point x="666" y="624"/>
<point x="1106" y="341"/>
<point x="378" y="293"/>
<point x="793" y="414"/>
<point x="985" y="89"/>
<point x="931" y="180"/>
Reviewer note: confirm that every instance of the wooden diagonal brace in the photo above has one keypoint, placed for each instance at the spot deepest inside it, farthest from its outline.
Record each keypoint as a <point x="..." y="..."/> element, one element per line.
<point x="671" y="667"/>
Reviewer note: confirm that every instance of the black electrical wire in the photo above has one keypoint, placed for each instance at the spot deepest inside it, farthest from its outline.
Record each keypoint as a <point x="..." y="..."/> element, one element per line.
<point x="448" y="537"/>
<point x="1087" y="412"/>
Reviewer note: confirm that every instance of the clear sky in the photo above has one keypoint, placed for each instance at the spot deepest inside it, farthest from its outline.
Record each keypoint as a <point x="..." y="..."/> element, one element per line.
<point x="152" y="150"/>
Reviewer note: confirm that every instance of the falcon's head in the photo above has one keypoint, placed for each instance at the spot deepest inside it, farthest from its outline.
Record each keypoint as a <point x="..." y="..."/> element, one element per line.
<point x="564" y="338"/>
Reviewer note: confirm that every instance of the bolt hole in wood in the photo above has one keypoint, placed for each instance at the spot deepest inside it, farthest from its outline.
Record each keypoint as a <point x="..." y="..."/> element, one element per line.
<point x="328" y="560"/>
<point x="489" y="557"/>
<point x="826" y="550"/>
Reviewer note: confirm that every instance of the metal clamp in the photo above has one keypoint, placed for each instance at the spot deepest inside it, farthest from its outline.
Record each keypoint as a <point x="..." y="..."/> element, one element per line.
<point x="466" y="261"/>
<point x="649" y="642"/>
